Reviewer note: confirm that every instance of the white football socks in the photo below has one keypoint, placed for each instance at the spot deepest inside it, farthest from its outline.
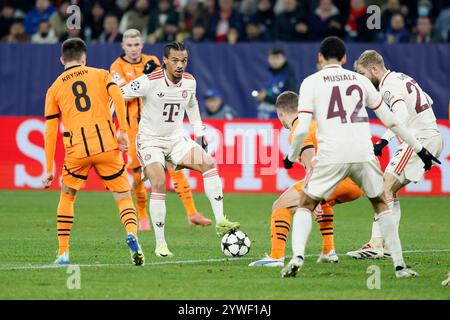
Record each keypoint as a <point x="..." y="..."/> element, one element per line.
<point x="397" y="211"/>
<point x="377" y="238"/>
<point x="389" y="231"/>
<point x="301" y="228"/>
<point x="214" y="192"/>
<point x="158" y="213"/>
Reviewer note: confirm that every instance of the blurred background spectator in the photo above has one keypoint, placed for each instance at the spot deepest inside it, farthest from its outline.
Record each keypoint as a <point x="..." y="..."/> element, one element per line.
<point x="226" y="24"/>
<point x="8" y="15"/>
<point x="215" y="108"/>
<point x="110" y="32"/>
<point x="17" y="33"/>
<point x="137" y="17"/>
<point x="397" y="32"/>
<point x="292" y="23"/>
<point x="59" y="18"/>
<point x="417" y="21"/>
<point x="281" y="78"/>
<point x="45" y="34"/>
<point x="42" y="11"/>
<point x="326" y="21"/>
<point x="424" y="32"/>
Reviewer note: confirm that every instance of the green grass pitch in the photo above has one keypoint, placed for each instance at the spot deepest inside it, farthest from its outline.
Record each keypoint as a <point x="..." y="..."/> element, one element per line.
<point x="199" y="270"/>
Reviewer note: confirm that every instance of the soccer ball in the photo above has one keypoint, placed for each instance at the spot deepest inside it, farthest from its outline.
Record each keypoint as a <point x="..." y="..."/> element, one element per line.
<point x="235" y="244"/>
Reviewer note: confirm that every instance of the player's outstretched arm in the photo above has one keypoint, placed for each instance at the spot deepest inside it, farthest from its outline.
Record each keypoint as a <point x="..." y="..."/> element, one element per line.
<point x="388" y="119"/>
<point x="304" y="119"/>
<point x="193" y="113"/>
<point x="399" y="109"/>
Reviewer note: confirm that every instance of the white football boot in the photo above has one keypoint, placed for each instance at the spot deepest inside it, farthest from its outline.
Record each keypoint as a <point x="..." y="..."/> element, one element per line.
<point x="367" y="251"/>
<point x="330" y="257"/>
<point x="268" y="261"/>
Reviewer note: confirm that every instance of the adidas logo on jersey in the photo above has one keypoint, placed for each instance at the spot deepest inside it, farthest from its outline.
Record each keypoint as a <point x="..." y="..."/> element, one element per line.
<point x="160" y="95"/>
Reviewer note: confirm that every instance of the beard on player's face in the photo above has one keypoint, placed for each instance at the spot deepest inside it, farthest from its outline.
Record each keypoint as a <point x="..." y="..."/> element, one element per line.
<point x="374" y="80"/>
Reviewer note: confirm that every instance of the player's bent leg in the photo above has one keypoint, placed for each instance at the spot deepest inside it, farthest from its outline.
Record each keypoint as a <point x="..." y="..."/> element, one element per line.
<point x="140" y="195"/>
<point x="156" y="174"/>
<point x="65" y="218"/>
<point x="280" y="225"/>
<point x="197" y="159"/>
<point x="326" y="225"/>
<point x="183" y="189"/>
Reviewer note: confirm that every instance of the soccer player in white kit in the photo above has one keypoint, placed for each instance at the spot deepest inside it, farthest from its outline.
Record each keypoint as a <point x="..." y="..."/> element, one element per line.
<point x="167" y="94"/>
<point x="411" y="106"/>
<point x="336" y="97"/>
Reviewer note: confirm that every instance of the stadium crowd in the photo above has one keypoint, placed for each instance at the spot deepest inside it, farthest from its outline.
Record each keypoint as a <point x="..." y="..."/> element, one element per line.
<point x="104" y="21"/>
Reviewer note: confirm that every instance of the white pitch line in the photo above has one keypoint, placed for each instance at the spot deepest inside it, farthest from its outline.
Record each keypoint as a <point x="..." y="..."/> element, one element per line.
<point x="53" y="266"/>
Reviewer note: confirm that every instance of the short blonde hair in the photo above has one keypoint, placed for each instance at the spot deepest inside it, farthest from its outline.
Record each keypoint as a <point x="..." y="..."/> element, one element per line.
<point x="368" y="58"/>
<point x="132" y="33"/>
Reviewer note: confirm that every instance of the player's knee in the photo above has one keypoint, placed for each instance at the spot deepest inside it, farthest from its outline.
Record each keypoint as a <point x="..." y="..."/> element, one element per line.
<point x="68" y="190"/>
<point x="159" y="185"/>
<point x="121" y="195"/>
<point x="207" y="166"/>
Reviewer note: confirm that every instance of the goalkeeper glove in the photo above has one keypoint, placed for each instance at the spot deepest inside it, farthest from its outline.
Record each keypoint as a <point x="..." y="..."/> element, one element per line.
<point x="287" y="163"/>
<point x="203" y="143"/>
<point x="427" y="158"/>
<point x="377" y="147"/>
<point x="150" y="66"/>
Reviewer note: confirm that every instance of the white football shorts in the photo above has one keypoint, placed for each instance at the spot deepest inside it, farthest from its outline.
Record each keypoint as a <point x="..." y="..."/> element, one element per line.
<point x="406" y="165"/>
<point x="323" y="179"/>
<point x="162" y="149"/>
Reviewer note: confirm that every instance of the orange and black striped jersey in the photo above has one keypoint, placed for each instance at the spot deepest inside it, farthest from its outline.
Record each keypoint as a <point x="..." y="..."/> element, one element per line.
<point x="80" y="96"/>
<point x="122" y="73"/>
<point x="310" y="140"/>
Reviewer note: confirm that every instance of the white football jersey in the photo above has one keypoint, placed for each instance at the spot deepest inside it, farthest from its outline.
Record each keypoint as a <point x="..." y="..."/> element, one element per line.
<point x="163" y="104"/>
<point x="418" y="117"/>
<point x="337" y="98"/>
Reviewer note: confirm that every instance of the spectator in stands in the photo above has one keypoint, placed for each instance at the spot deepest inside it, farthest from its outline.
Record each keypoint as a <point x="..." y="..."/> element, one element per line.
<point x="59" y="18"/>
<point x="8" y="15"/>
<point x="110" y="32"/>
<point x="158" y="18"/>
<point x="248" y="8"/>
<point x="215" y="108"/>
<point x="326" y="21"/>
<point x="292" y="23"/>
<point x="392" y="7"/>
<point x="42" y="11"/>
<point x="17" y="33"/>
<point x="198" y="32"/>
<point x="397" y="32"/>
<point x="94" y="22"/>
<point x="424" y="32"/>
<point x="71" y="33"/>
<point x="137" y="17"/>
<point x="443" y="24"/>
<point x="358" y="10"/>
<point x="191" y="15"/>
<point x="281" y="78"/>
<point x="226" y="20"/>
<point x="45" y="34"/>
<point x="263" y="22"/>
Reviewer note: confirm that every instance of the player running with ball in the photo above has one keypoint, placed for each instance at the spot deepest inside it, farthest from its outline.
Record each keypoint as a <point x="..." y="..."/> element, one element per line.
<point x="167" y="94"/>
<point x="336" y="97"/>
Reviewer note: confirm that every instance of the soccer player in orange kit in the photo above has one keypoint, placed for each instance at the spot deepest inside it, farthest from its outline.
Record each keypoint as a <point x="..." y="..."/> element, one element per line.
<point x="80" y="97"/>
